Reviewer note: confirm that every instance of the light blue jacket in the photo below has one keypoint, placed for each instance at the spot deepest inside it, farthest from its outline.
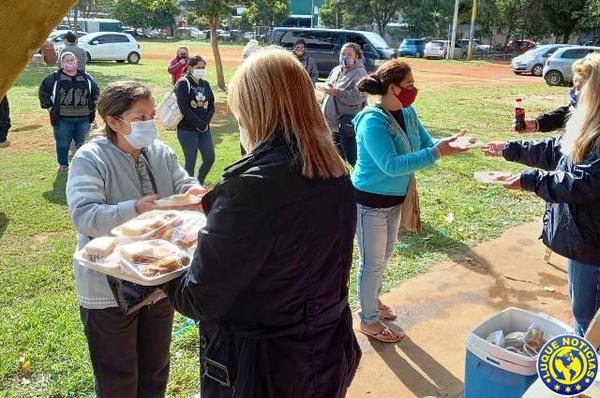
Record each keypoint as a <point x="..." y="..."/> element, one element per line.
<point x="385" y="161"/>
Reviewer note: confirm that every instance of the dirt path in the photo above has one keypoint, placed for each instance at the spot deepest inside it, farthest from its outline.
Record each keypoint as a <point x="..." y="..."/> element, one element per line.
<point x="438" y="309"/>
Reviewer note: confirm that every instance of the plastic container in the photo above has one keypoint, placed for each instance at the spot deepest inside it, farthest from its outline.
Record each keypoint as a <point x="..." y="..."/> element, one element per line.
<point x="494" y="372"/>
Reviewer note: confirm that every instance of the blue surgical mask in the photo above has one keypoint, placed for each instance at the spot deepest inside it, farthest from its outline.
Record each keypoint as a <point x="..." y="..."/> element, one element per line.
<point x="573" y="98"/>
<point x="345" y="60"/>
<point x="143" y="133"/>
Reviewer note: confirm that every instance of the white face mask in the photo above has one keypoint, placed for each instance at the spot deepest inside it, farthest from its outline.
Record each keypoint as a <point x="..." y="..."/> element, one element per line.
<point x="198" y="73"/>
<point x="143" y="133"/>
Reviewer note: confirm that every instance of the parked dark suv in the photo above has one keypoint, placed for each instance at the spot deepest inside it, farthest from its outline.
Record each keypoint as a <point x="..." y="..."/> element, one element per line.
<point x="324" y="45"/>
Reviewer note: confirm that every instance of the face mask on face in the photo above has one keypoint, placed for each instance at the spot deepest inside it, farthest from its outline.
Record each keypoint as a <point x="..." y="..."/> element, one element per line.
<point x="346" y="61"/>
<point x="407" y="96"/>
<point x="70" y="67"/>
<point x="573" y="98"/>
<point x="183" y="56"/>
<point x="198" y="73"/>
<point x="143" y="133"/>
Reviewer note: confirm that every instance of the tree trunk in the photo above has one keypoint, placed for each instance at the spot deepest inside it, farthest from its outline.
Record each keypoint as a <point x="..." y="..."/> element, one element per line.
<point x="566" y="37"/>
<point x="214" y="42"/>
<point x="75" y="18"/>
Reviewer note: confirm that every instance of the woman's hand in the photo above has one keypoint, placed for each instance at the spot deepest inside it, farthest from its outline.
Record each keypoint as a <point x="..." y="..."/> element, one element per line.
<point x="196" y="190"/>
<point x="331" y="90"/>
<point x="494" y="149"/>
<point x="444" y="147"/>
<point x="146" y="203"/>
<point x="513" y="182"/>
<point x="531" y="126"/>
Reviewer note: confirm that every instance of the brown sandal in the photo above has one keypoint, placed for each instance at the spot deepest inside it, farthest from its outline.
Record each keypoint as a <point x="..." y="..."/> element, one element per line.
<point x="386" y="312"/>
<point x="385" y="335"/>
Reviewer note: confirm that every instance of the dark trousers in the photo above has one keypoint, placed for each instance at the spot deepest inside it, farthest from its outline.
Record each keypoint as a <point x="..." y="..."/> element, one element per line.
<point x="4" y="119"/>
<point x="346" y="146"/>
<point x="130" y="353"/>
<point x="191" y="142"/>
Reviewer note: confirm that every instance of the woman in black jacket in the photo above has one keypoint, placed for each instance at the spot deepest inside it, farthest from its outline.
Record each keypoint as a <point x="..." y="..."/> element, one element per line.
<point x="197" y="104"/>
<point x="269" y="278"/>
<point x="567" y="177"/>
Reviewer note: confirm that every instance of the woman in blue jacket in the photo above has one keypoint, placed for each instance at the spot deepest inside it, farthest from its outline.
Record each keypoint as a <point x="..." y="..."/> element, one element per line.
<point x="196" y="102"/>
<point x="392" y="145"/>
<point x="566" y="175"/>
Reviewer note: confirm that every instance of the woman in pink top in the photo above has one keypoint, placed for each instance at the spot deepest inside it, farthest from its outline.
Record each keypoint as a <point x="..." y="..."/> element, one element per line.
<point x="178" y="65"/>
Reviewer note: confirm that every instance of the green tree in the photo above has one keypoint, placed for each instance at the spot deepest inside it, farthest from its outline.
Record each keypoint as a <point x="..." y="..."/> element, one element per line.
<point x="428" y="17"/>
<point x="267" y="12"/>
<point x="146" y="13"/>
<point x="563" y="16"/>
<point x="213" y="11"/>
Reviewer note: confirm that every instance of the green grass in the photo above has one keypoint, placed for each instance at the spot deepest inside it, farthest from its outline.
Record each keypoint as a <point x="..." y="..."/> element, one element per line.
<point x="38" y="306"/>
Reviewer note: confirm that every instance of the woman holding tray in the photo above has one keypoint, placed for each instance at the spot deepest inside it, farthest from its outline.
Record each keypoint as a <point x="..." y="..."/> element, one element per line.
<point x="114" y="178"/>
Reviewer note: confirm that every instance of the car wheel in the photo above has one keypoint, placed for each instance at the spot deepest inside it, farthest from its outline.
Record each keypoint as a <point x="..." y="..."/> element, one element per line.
<point x="554" y="78"/>
<point x="133" y="57"/>
<point x="120" y="61"/>
<point x="537" y="70"/>
<point x="89" y="57"/>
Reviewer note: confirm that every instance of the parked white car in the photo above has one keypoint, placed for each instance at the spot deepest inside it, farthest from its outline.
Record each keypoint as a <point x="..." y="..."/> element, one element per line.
<point x="57" y="38"/>
<point x="111" y="46"/>
<point x="557" y="70"/>
<point x="190" y="33"/>
<point x="439" y="49"/>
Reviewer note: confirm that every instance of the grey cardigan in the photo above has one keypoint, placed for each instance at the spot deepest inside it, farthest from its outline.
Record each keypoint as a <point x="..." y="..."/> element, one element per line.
<point x="349" y="99"/>
<point x="102" y="189"/>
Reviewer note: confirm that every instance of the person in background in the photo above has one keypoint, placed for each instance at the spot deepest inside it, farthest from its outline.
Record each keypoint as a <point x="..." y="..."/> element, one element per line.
<point x="557" y="119"/>
<point x="4" y="122"/>
<point x="566" y="174"/>
<point x="115" y="177"/>
<point x="392" y="145"/>
<point x="250" y="48"/>
<point x="72" y="47"/>
<point x="343" y="100"/>
<point x="70" y="96"/>
<point x="178" y="65"/>
<point x="269" y="279"/>
<point x="308" y="62"/>
<point x="196" y="102"/>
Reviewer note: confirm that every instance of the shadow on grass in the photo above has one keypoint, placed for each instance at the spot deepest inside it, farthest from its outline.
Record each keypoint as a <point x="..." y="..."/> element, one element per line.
<point x="3" y="223"/>
<point x="57" y="194"/>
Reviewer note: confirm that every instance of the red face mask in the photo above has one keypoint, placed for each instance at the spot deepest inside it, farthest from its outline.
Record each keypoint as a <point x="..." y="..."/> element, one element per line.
<point x="407" y="96"/>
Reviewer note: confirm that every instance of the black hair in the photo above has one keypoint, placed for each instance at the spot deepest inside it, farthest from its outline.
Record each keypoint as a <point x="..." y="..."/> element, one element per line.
<point x="70" y="37"/>
<point x="378" y="82"/>
<point x="300" y="41"/>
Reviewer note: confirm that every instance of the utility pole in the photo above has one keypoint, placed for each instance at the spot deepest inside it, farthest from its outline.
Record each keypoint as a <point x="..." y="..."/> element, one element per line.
<point x="472" y="30"/>
<point x="450" y="52"/>
<point x="312" y="14"/>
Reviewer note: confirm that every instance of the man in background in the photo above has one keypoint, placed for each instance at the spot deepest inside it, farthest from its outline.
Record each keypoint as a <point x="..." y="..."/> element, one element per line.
<point x="71" y="46"/>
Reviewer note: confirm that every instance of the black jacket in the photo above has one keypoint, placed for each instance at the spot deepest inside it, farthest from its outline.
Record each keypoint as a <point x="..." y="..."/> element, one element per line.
<point x="269" y="281"/>
<point x="553" y="120"/>
<point x="572" y="195"/>
<point x="50" y="88"/>
<point x="188" y="92"/>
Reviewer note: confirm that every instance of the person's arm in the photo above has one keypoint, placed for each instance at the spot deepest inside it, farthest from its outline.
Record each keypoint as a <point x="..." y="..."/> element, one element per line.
<point x="93" y="98"/>
<point x="210" y="98"/>
<point x="45" y="92"/>
<point x="88" y="207"/>
<point x="314" y="70"/>
<point x="580" y="186"/>
<point x="553" y="120"/>
<point x="350" y="95"/>
<point x="183" y="101"/>
<point x="232" y="249"/>
<point x="173" y="66"/>
<point x="380" y="145"/>
<point x="542" y="155"/>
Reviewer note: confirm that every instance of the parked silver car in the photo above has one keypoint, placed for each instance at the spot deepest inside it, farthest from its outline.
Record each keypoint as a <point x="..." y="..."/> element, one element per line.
<point x="557" y="70"/>
<point x="439" y="49"/>
<point x="533" y="60"/>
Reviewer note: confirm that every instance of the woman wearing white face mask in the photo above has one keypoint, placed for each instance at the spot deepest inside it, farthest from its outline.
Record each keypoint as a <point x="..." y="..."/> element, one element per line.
<point x="114" y="178"/>
<point x="197" y="104"/>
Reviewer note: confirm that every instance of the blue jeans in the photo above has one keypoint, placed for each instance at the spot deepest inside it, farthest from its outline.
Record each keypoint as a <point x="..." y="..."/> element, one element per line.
<point x="67" y="130"/>
<point x="584" y="292"/>
<point x="376" y="233"/>
<point x="191" y="142"/>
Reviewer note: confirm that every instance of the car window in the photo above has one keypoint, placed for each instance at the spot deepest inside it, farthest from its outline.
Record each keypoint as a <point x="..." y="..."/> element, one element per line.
<point x="356" y="39"/>
<point x="575" y="53"/>
<point x="119" y="39"/>
<point x="288" y="39"/>
<point x="314" y="40"/>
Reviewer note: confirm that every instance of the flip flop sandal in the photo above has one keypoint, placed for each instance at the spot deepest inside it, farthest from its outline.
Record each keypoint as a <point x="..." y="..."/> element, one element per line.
<point x="384" y="336"/>
<point x="387" y="313"/>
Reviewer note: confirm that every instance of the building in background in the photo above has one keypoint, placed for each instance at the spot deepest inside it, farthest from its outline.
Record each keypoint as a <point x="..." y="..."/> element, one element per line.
<point x="304" y="13"/>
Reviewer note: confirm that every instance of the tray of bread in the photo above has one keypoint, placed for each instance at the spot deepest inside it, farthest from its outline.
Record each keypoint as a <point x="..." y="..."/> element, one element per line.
<point x="149" y="250"/>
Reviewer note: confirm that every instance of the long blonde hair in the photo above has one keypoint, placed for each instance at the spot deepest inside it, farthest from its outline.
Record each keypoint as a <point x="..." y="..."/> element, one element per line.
<point x="582" y="134"/>
<point x="272" y="92"/>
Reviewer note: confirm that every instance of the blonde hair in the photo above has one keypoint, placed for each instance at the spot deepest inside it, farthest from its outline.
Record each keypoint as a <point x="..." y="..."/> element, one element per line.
<point x="272" y="92"/>
<point x="582" y="67"/>
<point x="582" y="134"/>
